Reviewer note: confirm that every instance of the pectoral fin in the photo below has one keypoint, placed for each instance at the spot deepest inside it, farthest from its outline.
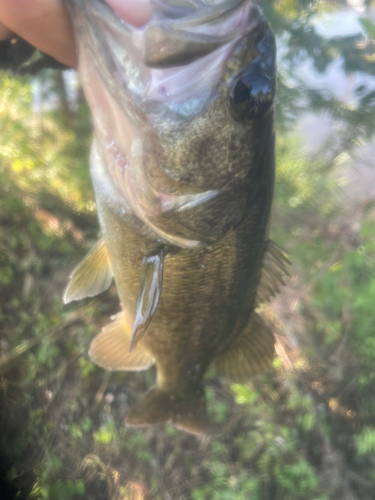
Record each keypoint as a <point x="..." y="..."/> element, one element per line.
<point x="149" y="294"/>
<point x="251" y="354"/>
<point x="110" y="348"/>
<point x="92" y="276"/>
<point x="274" y="271"/>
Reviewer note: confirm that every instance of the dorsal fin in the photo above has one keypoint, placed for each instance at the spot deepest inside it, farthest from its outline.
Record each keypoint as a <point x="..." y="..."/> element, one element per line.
<point x="110" y="348"/>
<point x="92" y="276"/>
<point x="250" y="354"/>
<point x="149" y="294"/>
<point x="274" y="271"/>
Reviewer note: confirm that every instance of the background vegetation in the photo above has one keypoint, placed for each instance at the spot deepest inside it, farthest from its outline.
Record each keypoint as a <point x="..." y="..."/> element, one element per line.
<point x="303" y="431"/>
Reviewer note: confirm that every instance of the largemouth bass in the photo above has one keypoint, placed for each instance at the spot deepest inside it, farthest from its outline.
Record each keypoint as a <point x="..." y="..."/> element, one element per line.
<point x="183" y="172"/>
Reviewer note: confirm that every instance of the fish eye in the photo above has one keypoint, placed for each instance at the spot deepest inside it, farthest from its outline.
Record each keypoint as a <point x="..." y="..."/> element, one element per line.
<point x="252" y="95"/>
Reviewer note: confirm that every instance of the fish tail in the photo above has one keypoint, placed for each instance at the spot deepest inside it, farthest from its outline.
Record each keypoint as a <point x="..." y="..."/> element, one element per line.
<point x="188" y="413"/>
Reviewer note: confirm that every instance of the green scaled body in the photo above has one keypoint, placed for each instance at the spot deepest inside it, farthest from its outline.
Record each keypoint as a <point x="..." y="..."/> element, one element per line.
<point x="183" y="171"/>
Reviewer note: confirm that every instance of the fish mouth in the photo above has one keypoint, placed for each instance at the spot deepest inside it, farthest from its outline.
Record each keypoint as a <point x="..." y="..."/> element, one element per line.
<point x="178" y="31"/>
<point x="181" y="36"/>
<point x="178" y="58"/>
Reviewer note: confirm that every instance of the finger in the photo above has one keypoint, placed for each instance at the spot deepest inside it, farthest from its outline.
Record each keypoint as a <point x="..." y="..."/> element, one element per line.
<point x="135" y="12"/>
<point x="43" y="23"/>
<point x="5" y="33"/>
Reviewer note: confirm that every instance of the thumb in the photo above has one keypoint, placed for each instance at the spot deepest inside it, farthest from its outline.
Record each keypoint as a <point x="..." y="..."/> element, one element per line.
<point x="43" y="23"/>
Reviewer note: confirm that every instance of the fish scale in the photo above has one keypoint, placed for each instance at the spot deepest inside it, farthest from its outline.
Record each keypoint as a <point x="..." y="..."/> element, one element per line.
<point x="183" y="172"/>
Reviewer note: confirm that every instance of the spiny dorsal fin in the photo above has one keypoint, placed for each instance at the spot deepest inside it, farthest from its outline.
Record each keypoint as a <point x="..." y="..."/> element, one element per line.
<point x="149" y="294"/>
<point x="274" y="271"/>
<point x="92" y="276"/>
<point x="110" y="348"/>
<point x="250" y="354"/>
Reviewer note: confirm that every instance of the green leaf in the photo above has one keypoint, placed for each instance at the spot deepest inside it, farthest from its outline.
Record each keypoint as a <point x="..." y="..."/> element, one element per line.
<point x="368" y="26"/>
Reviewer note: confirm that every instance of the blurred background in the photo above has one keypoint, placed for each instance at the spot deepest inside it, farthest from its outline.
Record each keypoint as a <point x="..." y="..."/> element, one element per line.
<point x="303" y="431"/>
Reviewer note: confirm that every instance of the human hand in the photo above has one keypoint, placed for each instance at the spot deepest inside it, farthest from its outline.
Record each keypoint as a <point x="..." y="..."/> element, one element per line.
<point x="46" y="24"/>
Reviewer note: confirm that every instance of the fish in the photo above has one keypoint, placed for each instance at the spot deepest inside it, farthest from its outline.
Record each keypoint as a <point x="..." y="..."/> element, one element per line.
<point x="183" y="170"/>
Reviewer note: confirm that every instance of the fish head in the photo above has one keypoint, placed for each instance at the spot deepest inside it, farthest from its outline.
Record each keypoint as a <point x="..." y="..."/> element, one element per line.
<point x="183" y="100"/>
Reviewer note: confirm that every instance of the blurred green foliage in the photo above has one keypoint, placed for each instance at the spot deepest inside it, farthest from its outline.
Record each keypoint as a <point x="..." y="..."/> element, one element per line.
<point x="303" y="431"/>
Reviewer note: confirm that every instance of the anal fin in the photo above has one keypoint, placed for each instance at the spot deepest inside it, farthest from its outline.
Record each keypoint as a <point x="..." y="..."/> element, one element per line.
<point x="149" y="294"/>
<point x="110" y="348"/>
<point x="250" y="354"/>
<point x="274" y="271"/>
<point x="92" y="276"/>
